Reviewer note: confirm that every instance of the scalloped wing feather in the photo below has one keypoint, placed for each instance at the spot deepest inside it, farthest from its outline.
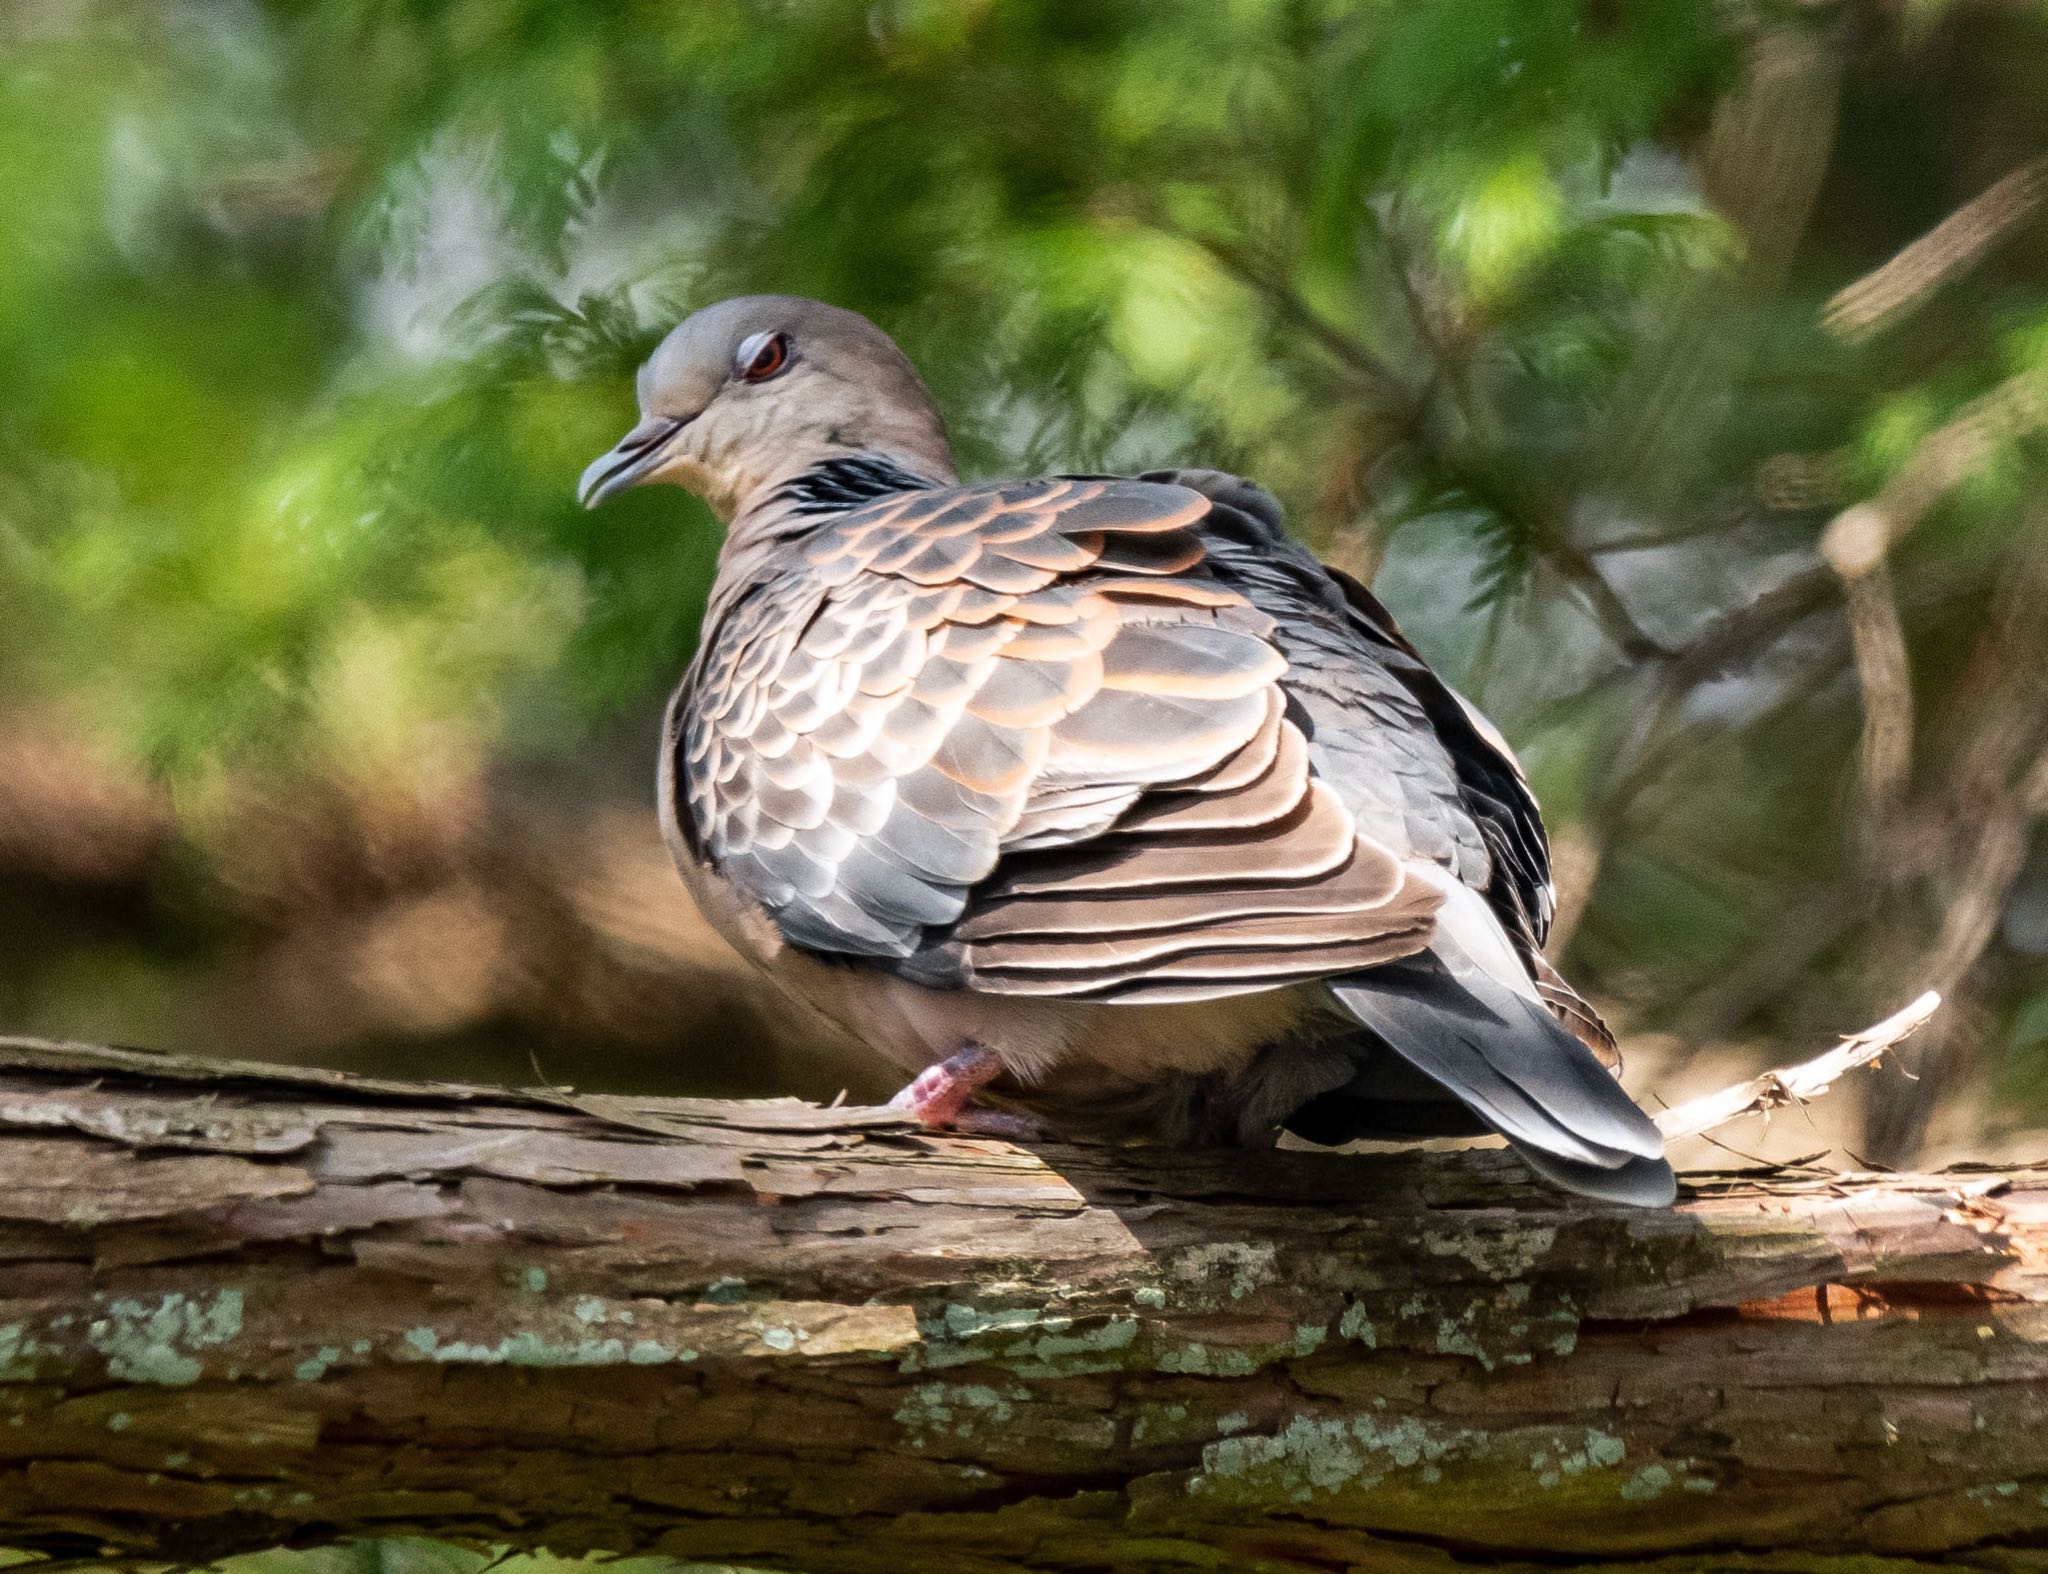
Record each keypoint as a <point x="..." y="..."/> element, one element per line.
<point x="1015" y="737"/>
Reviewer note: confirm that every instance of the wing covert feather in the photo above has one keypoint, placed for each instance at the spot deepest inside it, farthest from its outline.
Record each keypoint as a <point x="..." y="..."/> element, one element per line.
<point x="1020" y="737"/>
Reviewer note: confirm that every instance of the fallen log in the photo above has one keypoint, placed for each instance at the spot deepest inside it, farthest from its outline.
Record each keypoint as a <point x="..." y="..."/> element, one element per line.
<point x="245" y="1307"/>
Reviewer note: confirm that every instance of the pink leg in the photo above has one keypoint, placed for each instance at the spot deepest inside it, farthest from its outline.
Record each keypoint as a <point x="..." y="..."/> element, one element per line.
<point x="941" y="1091"/>
<point x="940" y="1095"/>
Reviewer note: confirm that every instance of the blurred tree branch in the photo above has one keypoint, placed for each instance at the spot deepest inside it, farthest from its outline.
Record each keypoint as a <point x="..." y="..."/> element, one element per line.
<point x="1368" y="373"/>
<point x="1969" y="836"/>
<point x="1885" y="296"/>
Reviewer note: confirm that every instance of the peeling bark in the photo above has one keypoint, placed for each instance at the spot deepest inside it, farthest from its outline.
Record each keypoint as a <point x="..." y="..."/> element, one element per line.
<point x="243" y="1307"/>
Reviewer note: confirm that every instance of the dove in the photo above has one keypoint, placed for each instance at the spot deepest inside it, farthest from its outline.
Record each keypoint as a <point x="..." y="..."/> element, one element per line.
<point x="1095" y="798"/>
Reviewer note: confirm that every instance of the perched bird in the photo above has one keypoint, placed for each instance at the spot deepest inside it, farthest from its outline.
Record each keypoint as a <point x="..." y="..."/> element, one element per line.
<point x="1097" y="793"/>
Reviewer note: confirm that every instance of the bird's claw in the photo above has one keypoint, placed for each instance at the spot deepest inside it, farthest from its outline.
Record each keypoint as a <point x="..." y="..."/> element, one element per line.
<point x="942" y="1093"/>
<point x="1007" y="1125"/>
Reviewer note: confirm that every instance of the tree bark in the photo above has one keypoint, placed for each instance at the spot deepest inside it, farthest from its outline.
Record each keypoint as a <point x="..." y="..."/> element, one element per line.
<point x="243" y="1307"/>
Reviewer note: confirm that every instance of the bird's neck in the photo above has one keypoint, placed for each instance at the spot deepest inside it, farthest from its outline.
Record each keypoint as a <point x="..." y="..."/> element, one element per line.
<point x="851" y="480"/>
<point x="797" y="504"/>
<point x="747" y="467"/>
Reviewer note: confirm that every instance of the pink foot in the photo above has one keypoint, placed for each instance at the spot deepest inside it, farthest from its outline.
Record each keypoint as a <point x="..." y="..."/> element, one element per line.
<point x="1002" y="1123"/>
<point x="939" y="1094"/>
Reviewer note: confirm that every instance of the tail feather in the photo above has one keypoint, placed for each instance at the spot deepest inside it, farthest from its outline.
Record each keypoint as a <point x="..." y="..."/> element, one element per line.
<point x="1575" y="1012"/>
<point x="1517" y="1068"/>
<point x="1640" y="1183"/>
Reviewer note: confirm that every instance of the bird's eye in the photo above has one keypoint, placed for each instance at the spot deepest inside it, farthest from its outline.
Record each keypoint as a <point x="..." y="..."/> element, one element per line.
<point x="760" y="356"/>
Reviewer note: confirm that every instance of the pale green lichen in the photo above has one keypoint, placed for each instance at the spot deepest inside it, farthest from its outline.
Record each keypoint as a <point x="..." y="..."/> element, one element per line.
<point x="1199" y="1360"/>
<point x="590" y="1309"/>
<point x="1499" y="1254"/>
<point x="953" y="1410"/>
<point x="1651" y="1481"/>
<point x="971" y="1322"/>
<point x="1149" y="1295"/>
<point x="1249" y="1265"/>
<point x="1355" y="1325"/>
<point x="1498" y="1328"/>
<point x="120" y="1421"/>
<point x="1453" y="1338"/>
<point x="1045" y="1343"/>
<point x="18" y="1352"/>
<point x="1600" y="1450"/>
<point x="1027" y="1340"/>
<point x="1311" y="1455"/>
<point x="1158" y="1421"/>
<point x="527" y="1348"/>
<point x="726" y="1291"/>
<point x="958" y="1335"/>
<point x="1057" y="1348"/>
<point x="536" y="1279"/>
<point x="1481" y="1329"/>
<point x="315" y="1366"/>
<point x="517" y="1349"/>
<point x="152" y="1341"/>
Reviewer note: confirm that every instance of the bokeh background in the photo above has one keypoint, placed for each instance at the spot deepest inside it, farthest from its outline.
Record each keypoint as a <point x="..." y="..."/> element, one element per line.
<point x="1678" y="369"/>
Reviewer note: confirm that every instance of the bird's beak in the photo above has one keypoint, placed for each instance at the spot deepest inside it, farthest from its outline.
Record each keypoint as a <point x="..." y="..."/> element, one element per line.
<point x="630" y="461"/>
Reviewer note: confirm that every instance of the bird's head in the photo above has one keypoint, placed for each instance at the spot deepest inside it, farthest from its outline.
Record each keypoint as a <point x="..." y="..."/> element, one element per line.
<point x="744" y="395"/>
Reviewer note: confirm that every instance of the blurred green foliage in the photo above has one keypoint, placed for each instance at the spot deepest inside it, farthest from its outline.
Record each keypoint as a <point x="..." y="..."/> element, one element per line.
<point x="311" y="311"/>
<point x="324" y="305"/>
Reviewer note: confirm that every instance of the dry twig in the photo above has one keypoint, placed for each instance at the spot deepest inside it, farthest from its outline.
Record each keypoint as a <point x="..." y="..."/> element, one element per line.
<point x="1794" y="1084"/>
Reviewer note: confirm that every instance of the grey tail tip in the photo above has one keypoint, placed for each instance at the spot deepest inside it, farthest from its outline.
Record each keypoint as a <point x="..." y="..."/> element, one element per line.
<point x="1518" y="1071"/>
<point x="1639" y="1183"/>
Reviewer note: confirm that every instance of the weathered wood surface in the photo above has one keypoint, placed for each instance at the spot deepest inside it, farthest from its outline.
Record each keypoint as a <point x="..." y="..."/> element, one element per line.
<point x="242" y="1307"/>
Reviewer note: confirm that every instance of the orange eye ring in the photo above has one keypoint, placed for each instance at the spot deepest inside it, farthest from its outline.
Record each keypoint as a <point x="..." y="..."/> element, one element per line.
<point x="760" y="356"/>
